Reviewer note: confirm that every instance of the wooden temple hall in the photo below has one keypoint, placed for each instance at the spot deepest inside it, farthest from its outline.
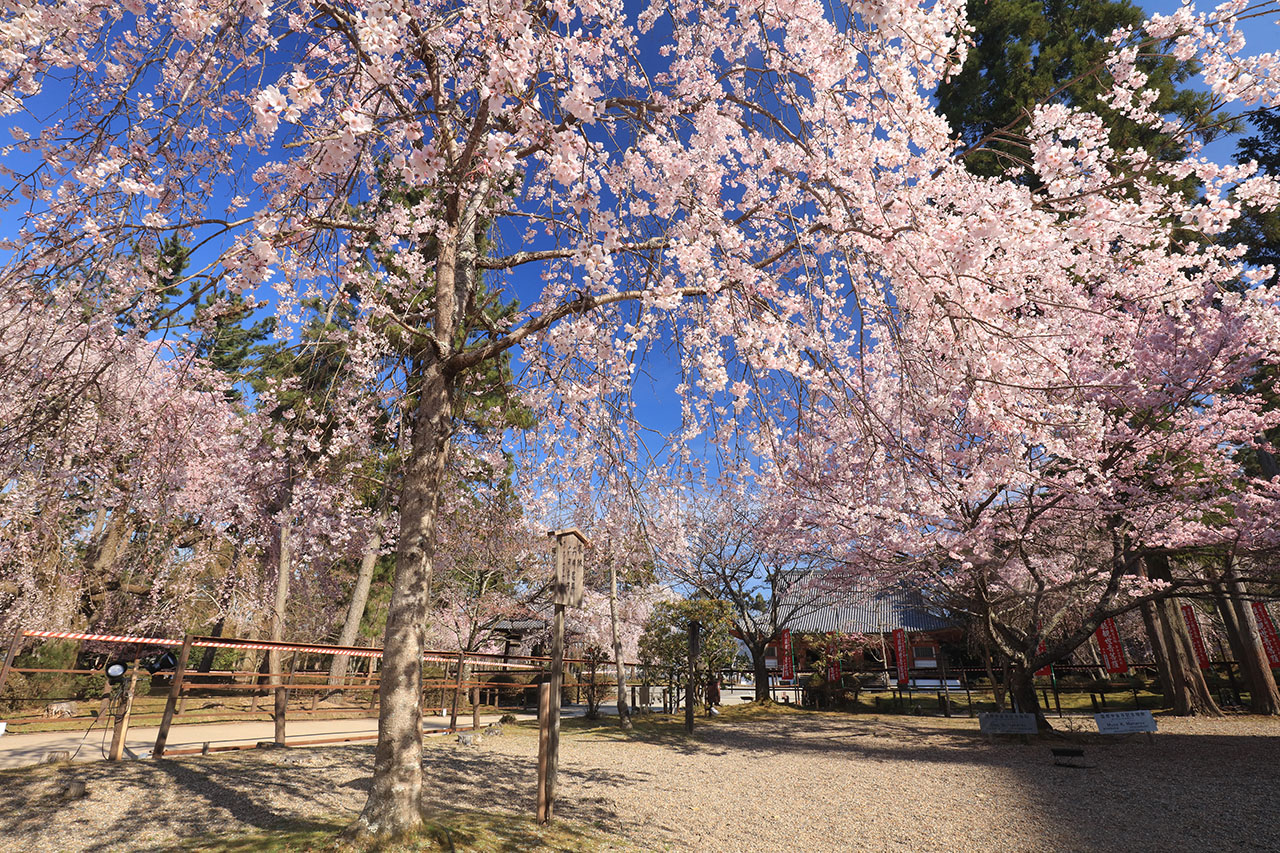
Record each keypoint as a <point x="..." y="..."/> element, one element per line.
<point x="933" y="641"/>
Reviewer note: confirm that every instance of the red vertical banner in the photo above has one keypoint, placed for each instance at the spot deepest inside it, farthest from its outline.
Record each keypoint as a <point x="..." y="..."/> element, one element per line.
<point x="1111" y="649"/>
<point x="833" y="664"/>
<point x="900" y="651"/>
<point x="1197" y="640"/>
<point x="1047" y="669"/>
<point x="1267" y="631"/>
<point x="785" y="659"/>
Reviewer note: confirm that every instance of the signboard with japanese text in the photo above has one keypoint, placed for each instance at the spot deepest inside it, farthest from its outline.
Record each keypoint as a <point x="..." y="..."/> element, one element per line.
<point x="784" y="656"/>
<point x="568" y="579"/>
<point x="1007" y="723"/>
<point x="1124" y="722"/>
<point x="1267" y="631"/>
<point x="1197" y="639"/>
<point x="1111" y="649"/>
<point x="833" y="664"/>
<point x="901" y="652"/>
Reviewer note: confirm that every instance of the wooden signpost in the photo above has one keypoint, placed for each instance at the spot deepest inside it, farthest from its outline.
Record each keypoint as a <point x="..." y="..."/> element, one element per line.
<point x="567" y="589"/>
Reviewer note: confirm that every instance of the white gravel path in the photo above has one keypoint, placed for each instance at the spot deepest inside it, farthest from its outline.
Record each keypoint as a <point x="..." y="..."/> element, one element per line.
<point x="795" y="781"/>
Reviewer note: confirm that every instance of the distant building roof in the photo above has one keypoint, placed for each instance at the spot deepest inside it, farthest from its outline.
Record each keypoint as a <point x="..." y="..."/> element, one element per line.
<point x="860" y="611"/>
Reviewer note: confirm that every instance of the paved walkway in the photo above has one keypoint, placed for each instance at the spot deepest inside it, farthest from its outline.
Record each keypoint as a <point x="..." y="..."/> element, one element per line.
<point x="21" y="750"/>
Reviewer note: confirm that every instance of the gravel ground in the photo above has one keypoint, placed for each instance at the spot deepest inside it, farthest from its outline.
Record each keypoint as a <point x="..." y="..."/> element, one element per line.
<point x="793" y="781"/>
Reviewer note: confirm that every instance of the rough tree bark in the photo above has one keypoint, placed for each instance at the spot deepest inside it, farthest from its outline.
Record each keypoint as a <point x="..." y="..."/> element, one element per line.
<point x="1155" y="637"/>
<point x="761" y="667"/>
<point x="1188" y="692"/>
<point x="394" y="806"/>
<point x="1193" y="696"/>
<point x="275" y="657"/>
<point x="624" y="712"/>
<point x="1022" y="690"/>
<point x="1242" y="634"/>
<point x="224" y="602"/>
<point x="359" y="598"/>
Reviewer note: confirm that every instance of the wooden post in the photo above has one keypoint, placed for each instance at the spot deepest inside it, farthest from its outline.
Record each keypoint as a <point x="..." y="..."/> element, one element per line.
<point x="9" y="655"/>
<point x="691" y="687"/>
<point x="475" y="708"/>
<point x="282" y="698"/>
<point x="544" y="748"/>
<point x="175" y="691"/>
<point x="457" y="689"/>
<point x="122" y="721"/>
<point x="553" y="709"/>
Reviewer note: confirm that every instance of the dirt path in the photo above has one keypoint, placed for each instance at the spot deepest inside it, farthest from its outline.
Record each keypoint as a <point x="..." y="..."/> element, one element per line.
<point x="787" y="782"/>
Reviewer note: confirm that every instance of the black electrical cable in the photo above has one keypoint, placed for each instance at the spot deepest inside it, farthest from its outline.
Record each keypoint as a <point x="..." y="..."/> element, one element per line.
<point x="111" y="709"/>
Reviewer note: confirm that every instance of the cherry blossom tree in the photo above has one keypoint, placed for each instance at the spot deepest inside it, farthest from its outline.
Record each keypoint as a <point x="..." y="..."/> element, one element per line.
<point x="768" y="186"/>
<point x="122" y="461"/>
<point x="732" y="550"/>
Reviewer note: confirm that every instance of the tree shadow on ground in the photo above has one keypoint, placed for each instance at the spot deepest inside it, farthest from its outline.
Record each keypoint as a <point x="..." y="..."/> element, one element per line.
<point x="140" y="805"/>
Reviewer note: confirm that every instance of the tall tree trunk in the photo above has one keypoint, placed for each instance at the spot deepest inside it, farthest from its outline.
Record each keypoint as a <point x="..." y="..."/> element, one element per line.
<point x="457" y="690"/>
<point x="624" y="711"/>
<point x="1022" y="690"/>
<point x="102" y="560"/>
<point x="1188" y="691"/>
<point x="225" y="592"/>
<point x="359" y="598"/>
<point x="395" y="796"/>
<point x="1193" y="697"/>
<point x="761" y="667"/>
<point x="1230" y="626"/>
<point x="997" y="689"/>
<point x="1155" y="637"/>
<point x="394" y="806"/>
<point x="278" y="612"/>
<point x="1263" y="696"/>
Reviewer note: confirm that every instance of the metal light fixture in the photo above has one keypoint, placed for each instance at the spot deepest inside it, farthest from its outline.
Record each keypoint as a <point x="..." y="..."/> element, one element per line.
<point x="160" y="662"/>
<point x="116" y="670"/>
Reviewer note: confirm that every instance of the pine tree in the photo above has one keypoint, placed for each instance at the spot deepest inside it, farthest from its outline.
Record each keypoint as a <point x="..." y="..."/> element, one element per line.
<point x="1052" y="51"/>
<point x="1257" y="230"/>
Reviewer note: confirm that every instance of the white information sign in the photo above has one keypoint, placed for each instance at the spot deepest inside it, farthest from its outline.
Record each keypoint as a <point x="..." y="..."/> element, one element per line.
<point x="1125" y="722"/>
<point x="1007" y="723"/>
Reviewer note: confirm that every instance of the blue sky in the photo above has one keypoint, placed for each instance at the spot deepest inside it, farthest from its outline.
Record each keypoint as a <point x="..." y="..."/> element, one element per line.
<point x="654" y="392"/>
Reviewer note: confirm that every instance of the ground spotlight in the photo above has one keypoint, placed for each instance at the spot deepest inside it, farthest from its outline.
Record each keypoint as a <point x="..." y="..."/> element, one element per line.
<point x="159" y="663"/>
<point x="116" y="670"/>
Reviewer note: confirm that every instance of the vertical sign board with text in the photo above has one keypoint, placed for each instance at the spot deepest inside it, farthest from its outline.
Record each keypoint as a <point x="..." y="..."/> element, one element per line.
<point x="784" y="656"/>
<point x="1267" y="631"/>
<point x="1111" y="649"/>
<point x="1197" y="639"/>
<point x="900" y="651"/>
<point x="569" y="584"/>
<point x="833" y="664"/>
